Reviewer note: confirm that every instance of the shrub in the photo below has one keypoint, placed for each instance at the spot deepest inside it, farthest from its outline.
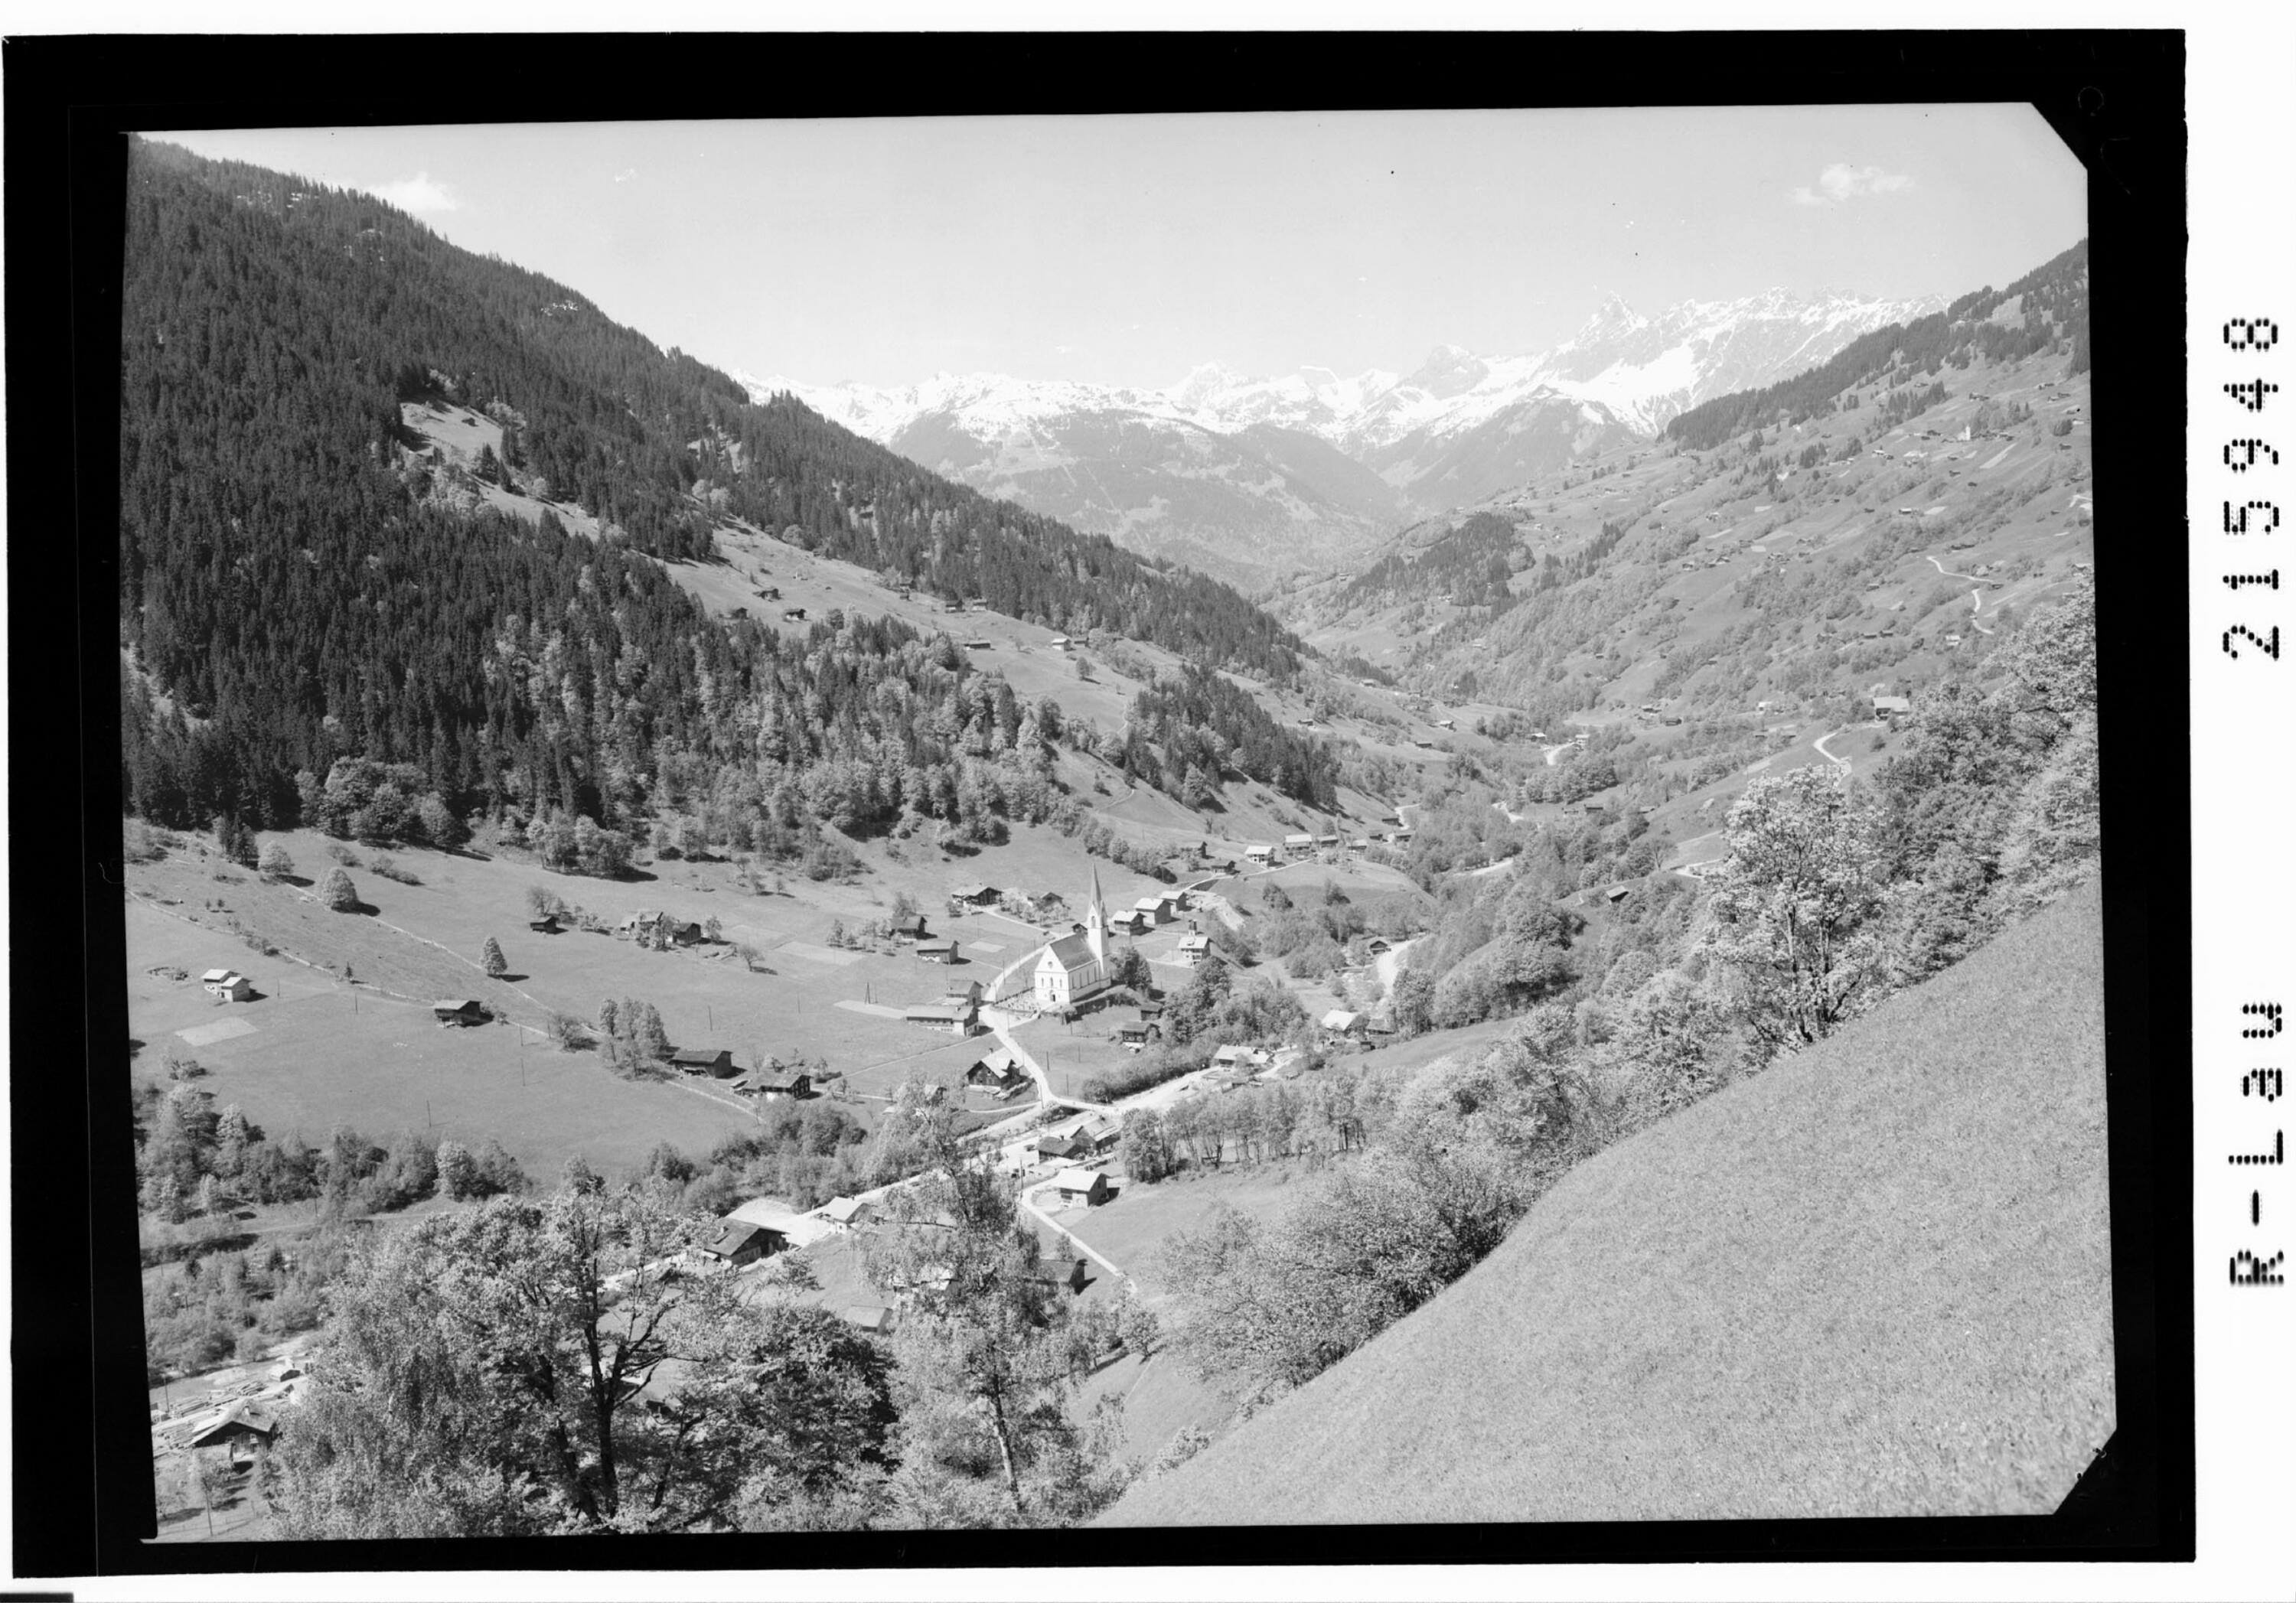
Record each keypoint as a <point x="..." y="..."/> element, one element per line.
<point x="342" y="853"/>
<point x="389" y="869"/>
<point x="275" y="864"/>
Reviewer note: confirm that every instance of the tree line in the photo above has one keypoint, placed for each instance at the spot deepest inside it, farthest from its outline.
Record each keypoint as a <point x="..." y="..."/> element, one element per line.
<point x="289" y="596"/>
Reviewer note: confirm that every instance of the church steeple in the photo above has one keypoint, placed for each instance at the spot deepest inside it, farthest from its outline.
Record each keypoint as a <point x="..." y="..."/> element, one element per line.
<point x="1095" y="929"/>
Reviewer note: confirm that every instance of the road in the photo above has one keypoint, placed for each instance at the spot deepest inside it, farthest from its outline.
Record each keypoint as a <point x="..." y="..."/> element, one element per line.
<point x="1819" y="744"/>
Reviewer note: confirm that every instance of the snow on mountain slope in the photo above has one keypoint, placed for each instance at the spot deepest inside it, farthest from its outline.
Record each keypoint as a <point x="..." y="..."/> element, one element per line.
<point x="1133" y="463"/>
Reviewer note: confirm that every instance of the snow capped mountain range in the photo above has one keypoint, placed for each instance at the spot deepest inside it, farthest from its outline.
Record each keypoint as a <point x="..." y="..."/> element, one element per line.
<point x="1219" y="457"/>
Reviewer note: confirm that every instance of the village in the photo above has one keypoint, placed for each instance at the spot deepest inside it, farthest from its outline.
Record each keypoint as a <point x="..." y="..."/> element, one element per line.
<point x="1022" y="1047"/>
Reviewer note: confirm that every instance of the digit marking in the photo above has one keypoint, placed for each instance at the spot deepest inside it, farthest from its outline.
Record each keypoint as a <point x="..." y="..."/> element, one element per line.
<point x="2260" y="1270"/>
<point x="2270" y="648"/>
<point x="2235" y="519"/>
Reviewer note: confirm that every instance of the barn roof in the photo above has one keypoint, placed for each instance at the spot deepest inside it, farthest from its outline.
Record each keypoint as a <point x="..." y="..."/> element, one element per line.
<point x="799" y="1229"/>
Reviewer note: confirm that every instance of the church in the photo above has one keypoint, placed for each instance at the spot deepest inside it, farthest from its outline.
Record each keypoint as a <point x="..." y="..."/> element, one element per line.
<point x="1076" y="965"/>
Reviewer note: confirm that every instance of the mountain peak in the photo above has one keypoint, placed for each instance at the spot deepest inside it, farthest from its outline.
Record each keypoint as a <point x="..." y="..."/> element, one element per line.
<point x="1450" y="370"/>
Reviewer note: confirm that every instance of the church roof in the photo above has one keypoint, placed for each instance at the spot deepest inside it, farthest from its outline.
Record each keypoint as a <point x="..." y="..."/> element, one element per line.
<point x="1073" y="951"/>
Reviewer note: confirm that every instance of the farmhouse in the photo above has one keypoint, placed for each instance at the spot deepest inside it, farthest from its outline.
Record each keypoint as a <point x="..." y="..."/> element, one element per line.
<point x="773" y="1082"/>
<point x="547" y="924"/>
<point x="1299" y="843"/>
<point x="736" y="1242"/>
<point x="716" y="1062"/>
<point x="997" y="1071"/>
<point x="869" y="1317"/>
<point x="1138" y="1033"/>
<point x="784" y="1228"/>
<point x="231" y="984"/>
<point x="1155" y="910"/>
<point x="1340" y="1021"/>
<point x="909" y="928"/>
<point x="958" y="1014"/>
<point x="1259" y="854"/>
<point x="852" y="1211"/>
<point x="1376" y="946"/>
<point x="453" y="1009"/>
<point x="1239" y="1057"/>
<point x="1073" y="967"/>
<point x="1059" y="1272"/>
<point x="1073" y="1144"/>
<point x="1088" y="1186"/>
<point x="240" y="1424"/>
<point x="792" y="615"/>
<point x="977" y="894"/>
<point x="937" y="952"/>
<point x="1193" y="947"/>
<point x="1133" y="921"/>
<point x="648" y="924"/>
<point x="1893" y="704"/>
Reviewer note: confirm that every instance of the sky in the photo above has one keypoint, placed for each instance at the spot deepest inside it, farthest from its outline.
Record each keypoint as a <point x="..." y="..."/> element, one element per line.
<point x="1132" y="249"/>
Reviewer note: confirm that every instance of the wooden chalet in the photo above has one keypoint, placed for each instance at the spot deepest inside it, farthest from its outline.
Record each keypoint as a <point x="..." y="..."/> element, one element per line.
<point x="774" y="1081"/>
<point x="958" y="1012"/>
<point x="909" y="928"/>
<point x="1071" y="1144"/>
<point x="998" y="1071"/>
<point x="241" y="1425"/>
<point x="1138" y="1033"/>
<point x="852" y="1211"/>
<point x="459" y="1010"/>
<point x="978" y="894"/>
<point x="547" y="924"/>
<point x="1087" y="1186"/>
<point x="736" y="1242"/>
<point x="716" y="1062"/>
<point x="937" y="952"/>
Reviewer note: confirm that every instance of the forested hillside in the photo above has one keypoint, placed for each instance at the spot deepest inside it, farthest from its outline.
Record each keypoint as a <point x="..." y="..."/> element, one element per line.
<point x="2046" y="306"/>
<point x="302" y="582"/>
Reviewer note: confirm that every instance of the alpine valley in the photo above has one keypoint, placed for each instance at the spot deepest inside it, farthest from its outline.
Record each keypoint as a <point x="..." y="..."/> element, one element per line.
<point x="704" y="959"/>
<point x="1255" y="479"/>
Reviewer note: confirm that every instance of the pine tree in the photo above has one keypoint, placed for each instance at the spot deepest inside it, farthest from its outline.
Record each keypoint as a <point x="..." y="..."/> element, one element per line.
<point x="492" y="961"/>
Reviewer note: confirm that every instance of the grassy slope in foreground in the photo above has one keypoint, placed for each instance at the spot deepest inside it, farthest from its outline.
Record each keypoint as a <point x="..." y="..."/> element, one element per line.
<point x="1873" y="1281"/>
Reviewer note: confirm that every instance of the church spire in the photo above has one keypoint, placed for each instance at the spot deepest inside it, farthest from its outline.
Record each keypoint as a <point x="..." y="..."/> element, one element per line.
<point x="1095" y="929"/>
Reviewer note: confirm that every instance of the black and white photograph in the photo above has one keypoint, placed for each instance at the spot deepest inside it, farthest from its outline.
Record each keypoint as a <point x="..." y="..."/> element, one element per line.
<point x="1283" y="847"/>
<point x="1271" y="834"/>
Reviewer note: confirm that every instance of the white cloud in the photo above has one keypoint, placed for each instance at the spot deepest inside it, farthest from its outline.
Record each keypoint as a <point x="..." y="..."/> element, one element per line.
<point x="626" y="175"/>
<point x="1841" y="181"/>
<point x="420" y="193"/>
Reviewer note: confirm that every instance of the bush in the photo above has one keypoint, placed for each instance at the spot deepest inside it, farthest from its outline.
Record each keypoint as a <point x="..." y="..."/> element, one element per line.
<point x="274" y="862"/>
<point x="342" y="853"/>
<point x="389" y="869"/>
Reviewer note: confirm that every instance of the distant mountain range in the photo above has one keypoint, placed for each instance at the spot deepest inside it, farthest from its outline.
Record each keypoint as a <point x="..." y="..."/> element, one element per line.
<point x="1252" y="477"/>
